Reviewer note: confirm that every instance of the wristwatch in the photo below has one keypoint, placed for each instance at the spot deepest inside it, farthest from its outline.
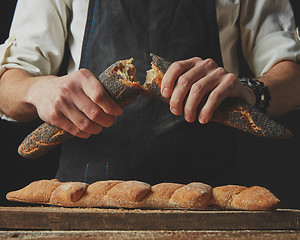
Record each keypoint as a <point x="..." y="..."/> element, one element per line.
<point x="261" y="92"/>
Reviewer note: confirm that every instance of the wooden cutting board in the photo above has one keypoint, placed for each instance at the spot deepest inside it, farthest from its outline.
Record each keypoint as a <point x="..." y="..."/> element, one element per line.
<point x="58" y="218"/>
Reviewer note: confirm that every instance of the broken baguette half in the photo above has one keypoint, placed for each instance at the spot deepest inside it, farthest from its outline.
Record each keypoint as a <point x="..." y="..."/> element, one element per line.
<point x="120" y="83"/>
<point x="232" y="112"/>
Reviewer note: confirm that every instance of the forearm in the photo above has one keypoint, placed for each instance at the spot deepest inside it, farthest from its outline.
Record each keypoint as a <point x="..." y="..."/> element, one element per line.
<point x="14" y="86"/>
<point x="76" y="102"/>
<point x="283" y="81"/>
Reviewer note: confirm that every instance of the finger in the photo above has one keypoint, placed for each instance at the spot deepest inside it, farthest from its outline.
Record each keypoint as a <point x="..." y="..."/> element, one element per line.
<point x="70" y="127"/>
<point x="172" y="74"/>
<point x="213" y="101"/>
<point x="97" y="93"/>
<point x="197" y="94"/>
<point x="69" y="110"/>
<point x="92" y="111"/>
<point x="183" y="86"/>
<point x="84" y="124"/>
<point x="64" y="123"/>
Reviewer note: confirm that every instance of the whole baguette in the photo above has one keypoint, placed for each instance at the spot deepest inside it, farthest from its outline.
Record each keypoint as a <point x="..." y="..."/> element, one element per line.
<point x="120" y="83"/>
<point x="136" y="194"/>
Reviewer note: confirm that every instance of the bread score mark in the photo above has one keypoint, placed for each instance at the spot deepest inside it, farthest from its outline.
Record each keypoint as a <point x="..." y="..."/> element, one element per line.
<point x="56" y="133"/>
<point x="249" y="120"/>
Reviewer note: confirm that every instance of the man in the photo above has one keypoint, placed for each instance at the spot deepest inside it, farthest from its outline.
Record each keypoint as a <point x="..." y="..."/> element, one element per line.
<point x="144" y="141"/>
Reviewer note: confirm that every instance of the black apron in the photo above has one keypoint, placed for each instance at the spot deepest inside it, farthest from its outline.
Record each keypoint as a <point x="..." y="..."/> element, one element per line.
<point x="148" y="143"/>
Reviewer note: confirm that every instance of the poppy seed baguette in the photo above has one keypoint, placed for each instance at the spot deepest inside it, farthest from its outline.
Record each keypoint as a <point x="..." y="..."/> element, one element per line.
<point x="232" y="112"/>
<point x="42" y="140"/>
<point x="120" y="83"/>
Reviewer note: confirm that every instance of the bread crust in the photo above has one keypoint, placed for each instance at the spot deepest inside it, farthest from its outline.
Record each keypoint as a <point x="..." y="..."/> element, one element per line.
<point x="68" y="193"/>
<point x="42" y="140"/>
<point x="255" y="198"/>
<point x="222" y="196"/>
<point x="36" y="192"/>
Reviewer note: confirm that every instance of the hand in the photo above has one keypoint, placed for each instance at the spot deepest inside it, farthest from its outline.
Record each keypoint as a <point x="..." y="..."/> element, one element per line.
<point x="77" y="103"/>
<point x="196" y="83"/>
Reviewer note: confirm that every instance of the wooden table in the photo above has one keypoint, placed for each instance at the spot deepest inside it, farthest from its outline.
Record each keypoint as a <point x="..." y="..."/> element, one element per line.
<point x="96" y="223"/>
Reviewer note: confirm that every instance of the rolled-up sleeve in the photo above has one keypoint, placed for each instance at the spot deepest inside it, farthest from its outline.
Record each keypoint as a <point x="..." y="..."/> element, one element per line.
<point x="268" y="34"/>
<point x="37" y="37"/>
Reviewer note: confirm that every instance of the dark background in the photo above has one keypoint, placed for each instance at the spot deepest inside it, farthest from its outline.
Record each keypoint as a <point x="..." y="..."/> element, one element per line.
<point x="263" y="162"/>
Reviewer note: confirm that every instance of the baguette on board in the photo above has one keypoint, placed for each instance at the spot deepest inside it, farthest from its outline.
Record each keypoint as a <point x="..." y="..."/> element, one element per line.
<point x="121" y="84"/>
<point x="136" y="194"/>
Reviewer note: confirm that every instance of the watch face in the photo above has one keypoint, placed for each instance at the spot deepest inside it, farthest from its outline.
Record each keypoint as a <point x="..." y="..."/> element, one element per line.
<point x="253" y="83"/>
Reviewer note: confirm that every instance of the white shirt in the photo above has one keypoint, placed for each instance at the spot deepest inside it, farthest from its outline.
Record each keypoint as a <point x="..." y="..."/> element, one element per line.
<point x="39" y="30"/>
